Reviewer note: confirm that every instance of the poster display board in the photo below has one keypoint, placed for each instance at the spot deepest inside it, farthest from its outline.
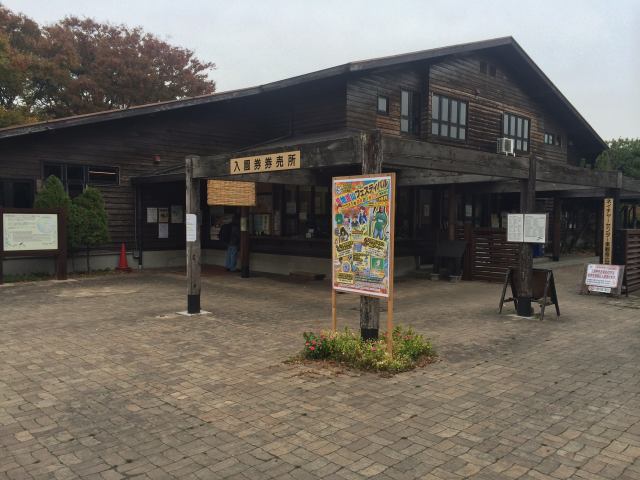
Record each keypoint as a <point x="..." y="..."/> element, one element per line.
<point x="29" y="231"/>
<point x="603" y="278"/>
<point x="527" y="227"/>
<point x="363" y="234"/>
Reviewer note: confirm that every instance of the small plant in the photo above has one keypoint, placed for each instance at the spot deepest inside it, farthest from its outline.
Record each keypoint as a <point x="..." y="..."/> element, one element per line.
<point x="409" y="350"/>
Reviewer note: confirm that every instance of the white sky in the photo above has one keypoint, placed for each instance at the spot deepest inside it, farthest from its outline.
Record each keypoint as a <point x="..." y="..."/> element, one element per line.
<point x="590" y="49"/>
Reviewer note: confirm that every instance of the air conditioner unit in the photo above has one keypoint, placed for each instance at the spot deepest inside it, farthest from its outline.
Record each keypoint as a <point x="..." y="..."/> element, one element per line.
<point x="506" y="146"/>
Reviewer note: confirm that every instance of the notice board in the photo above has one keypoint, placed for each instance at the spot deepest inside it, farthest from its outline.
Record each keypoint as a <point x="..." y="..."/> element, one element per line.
<point x="363" y="234"/>
<point x="29" y="231"/>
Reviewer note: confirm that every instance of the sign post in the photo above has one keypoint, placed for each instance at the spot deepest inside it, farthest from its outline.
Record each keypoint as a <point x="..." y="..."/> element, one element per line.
<point x="363" y="214"/>
<point x="607" y="231"/>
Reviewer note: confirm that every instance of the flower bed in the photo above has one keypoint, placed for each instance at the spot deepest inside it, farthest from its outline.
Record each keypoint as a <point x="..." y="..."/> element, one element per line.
<point x="409" y="350"/>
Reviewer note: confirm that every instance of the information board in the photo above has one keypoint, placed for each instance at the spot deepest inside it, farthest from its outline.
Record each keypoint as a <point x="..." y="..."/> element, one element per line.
<point x="363" y="234"/>
<point x="192" y="227"/>
<point x="29" y="231"/>
<point x="527" y="227"/>
<point x="515" y="227"/>
<point x="535" y="228"/>
<point x="603" y="278"/>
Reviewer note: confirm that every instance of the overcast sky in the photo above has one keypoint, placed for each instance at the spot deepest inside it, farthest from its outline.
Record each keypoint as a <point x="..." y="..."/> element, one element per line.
<point x="589" y="49"/>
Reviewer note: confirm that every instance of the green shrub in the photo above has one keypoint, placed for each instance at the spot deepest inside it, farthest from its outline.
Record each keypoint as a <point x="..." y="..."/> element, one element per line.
<point x="409" y="350"/>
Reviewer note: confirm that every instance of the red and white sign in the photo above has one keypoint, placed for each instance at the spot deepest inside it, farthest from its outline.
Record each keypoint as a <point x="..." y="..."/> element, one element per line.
<point x="602" y="276"/>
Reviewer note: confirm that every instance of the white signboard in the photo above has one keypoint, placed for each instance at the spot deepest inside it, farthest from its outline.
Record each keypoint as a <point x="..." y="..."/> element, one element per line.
<point x="515" y="227"/>
<point x="527" y="227"/>
<point x="192" y="227"/>
<point x="603" y="276"/>
<point x="535" y="228"/>
<point x="29" y="231"/>
<point x="152" y="215"/>
<point x="163" y="230"/>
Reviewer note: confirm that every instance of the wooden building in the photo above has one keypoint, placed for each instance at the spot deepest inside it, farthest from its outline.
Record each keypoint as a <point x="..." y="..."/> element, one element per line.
<point x="438" y="115"/>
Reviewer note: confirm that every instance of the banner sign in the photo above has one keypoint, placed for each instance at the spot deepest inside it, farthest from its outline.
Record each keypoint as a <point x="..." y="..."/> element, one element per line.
<point x="363" y="234"/>
<point x="603" y="278"/>
<point x="265" y="163"/>
<point x="29" y="231"/>
<point x="607" y="231"/>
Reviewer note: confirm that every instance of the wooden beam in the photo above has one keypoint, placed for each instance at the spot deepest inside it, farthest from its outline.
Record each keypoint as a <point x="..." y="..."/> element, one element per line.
<point x="193" y="248"/>
<point x="287" y="177"/>
<point x="417" y="177"/>
<point x="400" y="152"/>
<point x="324" y="153"/>
<point x="370" y="155"/>
<point x="525" y="260"/>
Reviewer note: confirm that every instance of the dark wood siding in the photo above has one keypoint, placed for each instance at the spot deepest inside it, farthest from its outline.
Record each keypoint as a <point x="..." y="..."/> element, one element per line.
<point x="362" y="96"/>
<point x="131" y="144"/>
<point x="488" y="98"/>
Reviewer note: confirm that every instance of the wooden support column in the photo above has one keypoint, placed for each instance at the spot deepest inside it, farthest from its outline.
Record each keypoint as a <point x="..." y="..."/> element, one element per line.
<point x="193" y="248"/>
<point x="244" y="242"/>
<point x="525" y="263"/>
<point x="557" y="228"/>
<point x="370" y="151"/>
<point x="61" y="259"/>
<point x="453" y="213"/>
<point x="467" y="268"/>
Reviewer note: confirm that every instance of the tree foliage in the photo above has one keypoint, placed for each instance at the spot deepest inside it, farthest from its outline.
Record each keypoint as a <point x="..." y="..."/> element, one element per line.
<point x="622" y="155"/>
<point x="79" y="66"/>
<point x="90" y="224"/>
<point x="53" y="195"/>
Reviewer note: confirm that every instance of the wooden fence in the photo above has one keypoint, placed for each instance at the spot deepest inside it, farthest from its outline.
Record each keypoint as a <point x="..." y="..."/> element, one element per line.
<point x="488" y="255"/>
<point x="631" y="258"/>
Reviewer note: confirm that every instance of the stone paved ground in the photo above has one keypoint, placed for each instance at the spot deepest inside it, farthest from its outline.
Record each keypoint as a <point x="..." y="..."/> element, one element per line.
<point x="99" y="379"/>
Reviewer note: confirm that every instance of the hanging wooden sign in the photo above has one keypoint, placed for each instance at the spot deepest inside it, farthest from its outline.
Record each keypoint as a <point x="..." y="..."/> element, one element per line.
<point x="265" y="163"/>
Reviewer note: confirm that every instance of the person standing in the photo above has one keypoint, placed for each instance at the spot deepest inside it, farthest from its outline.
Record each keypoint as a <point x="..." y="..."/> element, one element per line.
<point x="230" y="234"/>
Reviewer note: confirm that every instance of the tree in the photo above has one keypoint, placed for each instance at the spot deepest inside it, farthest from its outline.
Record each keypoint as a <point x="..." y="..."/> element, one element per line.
<point x="79" y="66"/>
<point x="622" y="155"/>
<point x="53" y="195"/>
<point x="90" y="220"/>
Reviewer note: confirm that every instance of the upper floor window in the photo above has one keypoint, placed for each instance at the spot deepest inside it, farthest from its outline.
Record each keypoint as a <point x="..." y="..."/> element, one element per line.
<point x="517" y="128"/>
<point x="383" y="104"/>
<point x="448" y="117"/>
<point x="75" y="178"/>
<point x="410" y="112"/>
<point x="552" y="139"/>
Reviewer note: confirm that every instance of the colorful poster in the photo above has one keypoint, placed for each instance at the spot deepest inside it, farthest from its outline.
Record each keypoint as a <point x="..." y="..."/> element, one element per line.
<point x="362" y="243"/>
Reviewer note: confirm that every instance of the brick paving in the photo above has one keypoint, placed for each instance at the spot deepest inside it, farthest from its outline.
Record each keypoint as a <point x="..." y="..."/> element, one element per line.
<point x="100" y="379"/>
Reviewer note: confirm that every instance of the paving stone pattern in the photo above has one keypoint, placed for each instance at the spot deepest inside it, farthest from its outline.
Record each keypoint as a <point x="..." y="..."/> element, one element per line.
<point x="100" y="379"/>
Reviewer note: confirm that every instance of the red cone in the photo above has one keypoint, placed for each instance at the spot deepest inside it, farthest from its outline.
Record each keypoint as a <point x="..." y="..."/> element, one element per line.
<point x="123" y="265"/>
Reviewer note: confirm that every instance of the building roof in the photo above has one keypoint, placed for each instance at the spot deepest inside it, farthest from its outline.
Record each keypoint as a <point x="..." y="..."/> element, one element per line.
<point x="529" y="73"/>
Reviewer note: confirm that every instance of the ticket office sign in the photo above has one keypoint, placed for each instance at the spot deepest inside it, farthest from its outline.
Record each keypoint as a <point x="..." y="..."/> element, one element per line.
<point x="362" y="241"/>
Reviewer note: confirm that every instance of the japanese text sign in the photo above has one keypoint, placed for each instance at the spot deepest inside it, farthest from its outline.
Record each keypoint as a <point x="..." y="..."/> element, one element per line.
<point x="363" y="234"/>
<point x="607" y="231"/>
<point x="265" y="163"/>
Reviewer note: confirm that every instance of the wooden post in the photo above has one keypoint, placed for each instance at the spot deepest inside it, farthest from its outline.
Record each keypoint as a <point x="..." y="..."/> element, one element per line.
<point x="1" y="246"/>
<point x="392" y="223"/>
<point x="557" y="228"/>
<point x="525" y="267"/>
<point x="453" y="213"/>
<point x="370" y="151"/>
<point x="61" y="258"/>
<point x="193" y="248"/>
<point x="244" y="242"/>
